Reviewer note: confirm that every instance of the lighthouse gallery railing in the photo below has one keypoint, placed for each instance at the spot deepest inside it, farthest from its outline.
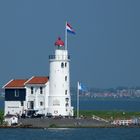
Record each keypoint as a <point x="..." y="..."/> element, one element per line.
<point x="59" y="57"/>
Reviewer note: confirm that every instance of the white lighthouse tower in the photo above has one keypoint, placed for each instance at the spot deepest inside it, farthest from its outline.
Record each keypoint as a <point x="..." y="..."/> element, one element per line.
<point x="59" y="82"/>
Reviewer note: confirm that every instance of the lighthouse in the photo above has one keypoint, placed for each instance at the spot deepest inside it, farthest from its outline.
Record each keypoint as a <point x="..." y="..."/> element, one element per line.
<point x="43" y="95"/>
<point x="59" y="100"/>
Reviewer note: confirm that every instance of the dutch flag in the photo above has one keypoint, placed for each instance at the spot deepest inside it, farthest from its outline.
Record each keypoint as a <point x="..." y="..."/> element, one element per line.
<point x="69" y="28"/>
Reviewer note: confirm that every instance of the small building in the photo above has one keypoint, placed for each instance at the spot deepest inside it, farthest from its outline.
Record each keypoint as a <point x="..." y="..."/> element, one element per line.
<point x="11" y="120"/>
<point x="22" y="95"/>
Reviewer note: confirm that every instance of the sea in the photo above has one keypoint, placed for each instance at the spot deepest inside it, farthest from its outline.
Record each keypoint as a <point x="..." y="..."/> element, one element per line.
<point x="71" y="134"/>
<point x="81" y="133"/>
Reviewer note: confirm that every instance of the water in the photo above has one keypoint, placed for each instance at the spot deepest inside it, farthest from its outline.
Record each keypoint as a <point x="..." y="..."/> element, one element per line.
<point x="71" y="134"/>
<point x="109" y="104"/>
<point x="103" y="104"/>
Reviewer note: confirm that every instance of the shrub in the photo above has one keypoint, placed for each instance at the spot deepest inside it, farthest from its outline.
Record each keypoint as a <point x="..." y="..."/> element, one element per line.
<point x="53" y="125"/>
<point x="1" y="117"/>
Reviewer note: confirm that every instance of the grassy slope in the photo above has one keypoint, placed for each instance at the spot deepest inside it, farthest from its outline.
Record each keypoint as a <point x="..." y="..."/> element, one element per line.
<point x="110" y="114"/>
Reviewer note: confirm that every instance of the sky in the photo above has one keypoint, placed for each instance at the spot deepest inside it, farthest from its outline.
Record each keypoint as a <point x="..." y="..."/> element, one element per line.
<point x="105" y="52"/>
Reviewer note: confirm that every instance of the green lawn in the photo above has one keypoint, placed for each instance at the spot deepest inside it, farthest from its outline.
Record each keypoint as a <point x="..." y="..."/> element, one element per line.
<point x="109" y="115"/>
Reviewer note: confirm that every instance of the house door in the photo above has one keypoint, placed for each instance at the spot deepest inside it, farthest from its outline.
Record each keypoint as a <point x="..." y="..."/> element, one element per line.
<point x="31" y="105"/>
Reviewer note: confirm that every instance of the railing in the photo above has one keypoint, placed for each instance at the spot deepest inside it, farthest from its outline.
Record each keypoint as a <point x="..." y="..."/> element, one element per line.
<point x="59" y="57"/>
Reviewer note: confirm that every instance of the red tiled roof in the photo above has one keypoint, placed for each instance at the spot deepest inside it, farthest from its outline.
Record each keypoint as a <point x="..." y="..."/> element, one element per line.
<point x="38" y="80"/>
<point x="21" y="82"/>
<point x="16" y="83"/>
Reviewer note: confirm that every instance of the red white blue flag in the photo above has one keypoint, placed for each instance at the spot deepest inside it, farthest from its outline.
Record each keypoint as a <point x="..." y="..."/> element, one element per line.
<point x="69" y="28"/>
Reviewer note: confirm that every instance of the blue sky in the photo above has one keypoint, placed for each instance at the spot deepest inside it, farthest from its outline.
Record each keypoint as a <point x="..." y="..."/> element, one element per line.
<point x="104" y="52"/>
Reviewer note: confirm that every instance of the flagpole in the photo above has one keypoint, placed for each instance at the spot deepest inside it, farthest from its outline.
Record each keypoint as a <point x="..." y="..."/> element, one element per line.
<point x="66" y="36"/>
<point x="78" y="100"/>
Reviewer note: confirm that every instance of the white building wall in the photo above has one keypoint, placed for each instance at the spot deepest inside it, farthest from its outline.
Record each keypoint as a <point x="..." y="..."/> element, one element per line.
<point x="37" y="97"/>
<point x="46" y="90"/>
<point x="13" y="107"/>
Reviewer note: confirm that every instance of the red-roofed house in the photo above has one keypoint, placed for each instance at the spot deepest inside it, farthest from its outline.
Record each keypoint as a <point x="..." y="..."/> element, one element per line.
<point x="24" y="95"/>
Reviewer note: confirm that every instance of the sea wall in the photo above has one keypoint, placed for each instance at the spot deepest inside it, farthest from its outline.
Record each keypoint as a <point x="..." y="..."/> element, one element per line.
<point x="63" y="122"/>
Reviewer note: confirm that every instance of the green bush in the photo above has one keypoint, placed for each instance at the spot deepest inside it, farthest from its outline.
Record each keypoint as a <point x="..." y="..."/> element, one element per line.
<point x="53" y="126"/>
<point x="1" y="117"/>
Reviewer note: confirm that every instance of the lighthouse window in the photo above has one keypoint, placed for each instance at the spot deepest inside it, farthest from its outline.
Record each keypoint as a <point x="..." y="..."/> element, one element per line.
<point x="66" y="92"/>
<point x="62" y="65"/>
<point x="67" y="99"/>
<point x="65" y="78"/>
<point x="65" y="64"/>
<point x="66" y="104"/>
<point x="32" y="90"/>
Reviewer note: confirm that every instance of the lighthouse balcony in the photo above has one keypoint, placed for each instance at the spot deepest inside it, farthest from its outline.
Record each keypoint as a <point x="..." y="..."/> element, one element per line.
<point x="59" y="57"/>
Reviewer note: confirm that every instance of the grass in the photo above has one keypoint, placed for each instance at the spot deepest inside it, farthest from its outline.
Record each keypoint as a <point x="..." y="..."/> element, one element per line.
<point x="1" y="116"/>
<point x="109" y="115"/>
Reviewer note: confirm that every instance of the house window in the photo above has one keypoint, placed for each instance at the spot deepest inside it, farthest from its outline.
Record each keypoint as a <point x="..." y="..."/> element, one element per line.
<point x="16" y="93"/>
<point x="65" y="78"/>
<point x="62" y="65"/>
<point x="22" y="103"/>
<point x="41" y="103"/>
<point x="41" y="90"/>
<point x="66" y="92"/>
<point x="32" y="90"/>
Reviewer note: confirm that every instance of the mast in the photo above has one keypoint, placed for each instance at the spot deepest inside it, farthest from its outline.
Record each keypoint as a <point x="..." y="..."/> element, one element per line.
<point x="66" y="42"/>
<point x="78" y="100"/>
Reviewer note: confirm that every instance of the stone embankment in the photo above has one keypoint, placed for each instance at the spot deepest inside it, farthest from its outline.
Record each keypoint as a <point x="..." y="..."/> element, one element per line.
<point x="61" y="122"/>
